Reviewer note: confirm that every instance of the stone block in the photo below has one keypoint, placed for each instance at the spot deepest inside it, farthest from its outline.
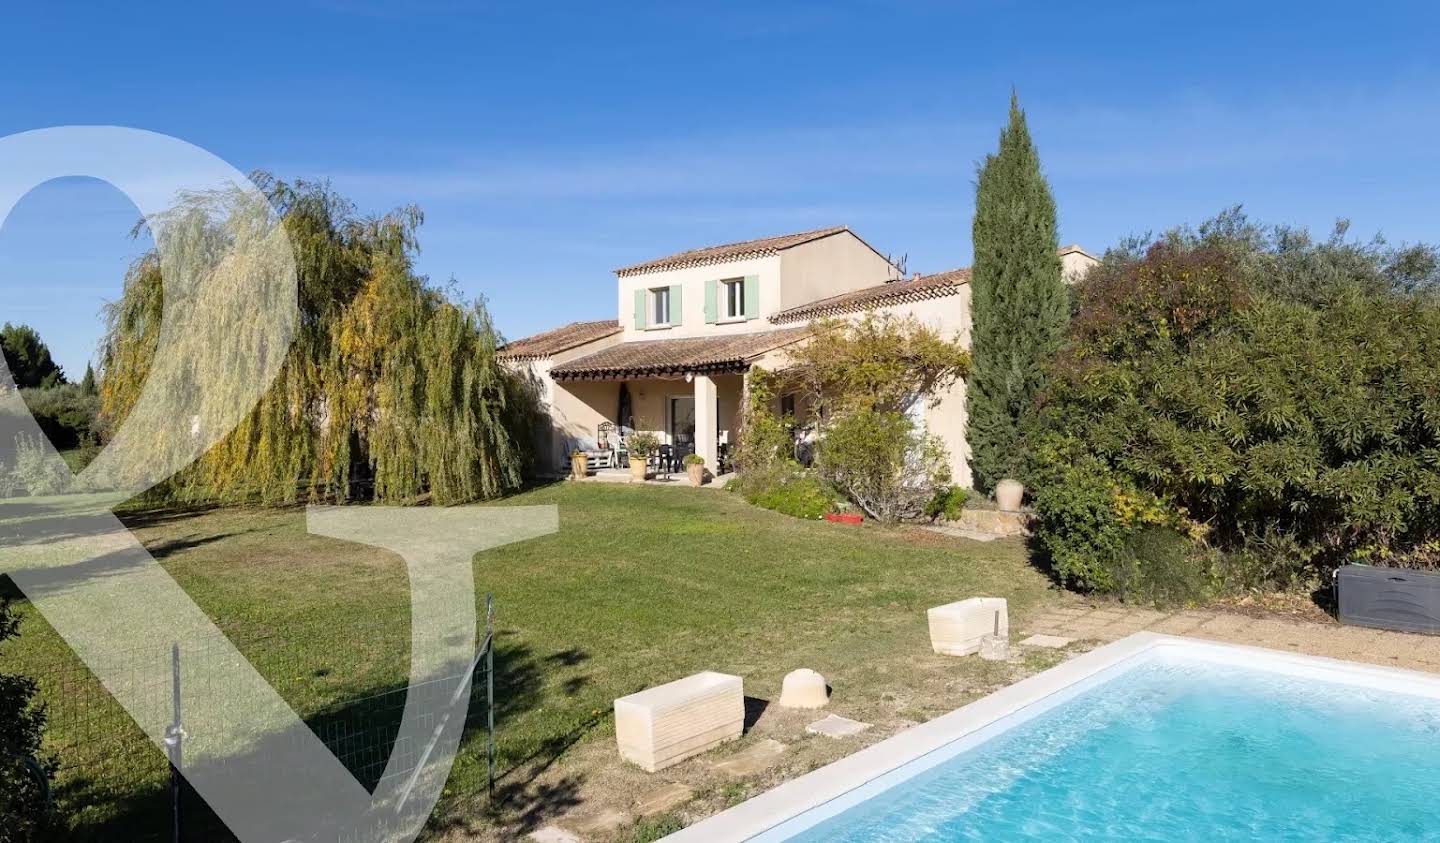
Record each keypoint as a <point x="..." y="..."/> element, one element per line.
<point x="669" y="723"/>
<point x="956" y="628"/>
<point x="836" y="726"/>
<point x="753" y="759"/>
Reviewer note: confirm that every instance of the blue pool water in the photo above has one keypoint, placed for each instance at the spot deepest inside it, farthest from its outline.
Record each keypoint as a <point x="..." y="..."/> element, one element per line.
<point x="1180" y="749"/>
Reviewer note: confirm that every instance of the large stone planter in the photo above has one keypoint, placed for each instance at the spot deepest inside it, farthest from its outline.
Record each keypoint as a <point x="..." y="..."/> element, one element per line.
<point x="696" y="473"/>
<point x="579" y="466"/>
<point x="1009" y="494"/>
<point x="637" y="468"/>
<point x="667" y="724"/>
<point x="957" y="628"/>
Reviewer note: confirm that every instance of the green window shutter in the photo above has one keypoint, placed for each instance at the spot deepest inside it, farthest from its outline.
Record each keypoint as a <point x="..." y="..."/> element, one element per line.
<point x="639" y="310"/>
<point x="677" y="310"/>
<point x="752" y="296"/>
<point x="711" y="293"/>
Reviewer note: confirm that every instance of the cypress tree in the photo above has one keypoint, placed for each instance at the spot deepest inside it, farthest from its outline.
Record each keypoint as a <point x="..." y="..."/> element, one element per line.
<point x="1019" y="303"/>
<point x="87" y="384"/>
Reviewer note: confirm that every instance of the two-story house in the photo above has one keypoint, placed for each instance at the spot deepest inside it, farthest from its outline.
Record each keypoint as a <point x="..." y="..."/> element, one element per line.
<point x="693" y="324"/>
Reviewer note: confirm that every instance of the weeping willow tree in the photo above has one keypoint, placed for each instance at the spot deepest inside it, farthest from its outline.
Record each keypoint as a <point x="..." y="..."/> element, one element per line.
<point x="390" y="388"/>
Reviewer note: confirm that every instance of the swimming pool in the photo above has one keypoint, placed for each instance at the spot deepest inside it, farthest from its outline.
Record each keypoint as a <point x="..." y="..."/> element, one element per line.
<point x="1152" y="738"/>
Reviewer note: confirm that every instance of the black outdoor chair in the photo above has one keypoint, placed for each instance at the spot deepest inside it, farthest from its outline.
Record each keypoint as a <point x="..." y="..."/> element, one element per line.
<point x="722" y="458"/>
<point x="666" y="461"/>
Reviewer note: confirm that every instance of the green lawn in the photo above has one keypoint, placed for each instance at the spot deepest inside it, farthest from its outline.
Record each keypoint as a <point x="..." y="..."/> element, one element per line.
<point x="640" y="586"/>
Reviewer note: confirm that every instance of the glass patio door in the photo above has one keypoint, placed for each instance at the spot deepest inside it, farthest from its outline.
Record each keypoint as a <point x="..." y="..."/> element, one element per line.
<point x="682" y="423"/>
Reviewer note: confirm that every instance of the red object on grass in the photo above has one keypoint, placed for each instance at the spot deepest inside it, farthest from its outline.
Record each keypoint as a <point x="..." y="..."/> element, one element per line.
<point x="843" y="517"/>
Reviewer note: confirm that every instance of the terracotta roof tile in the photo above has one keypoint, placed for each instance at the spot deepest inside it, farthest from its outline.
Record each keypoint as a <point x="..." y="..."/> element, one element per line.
<point x="891" y="292"/>
<point x="671" y="358"/>
<point x="729" y="251"/>
<point x="556" y="340"/>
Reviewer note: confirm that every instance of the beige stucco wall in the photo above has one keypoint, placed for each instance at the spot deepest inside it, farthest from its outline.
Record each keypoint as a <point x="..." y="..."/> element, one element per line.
<point x="836" y="264"/>
<point x="567" y="419"/>
<point x="692" y="281"/>
<point x="947" y="315"/>
<point x="944" y="415"/>
<point x="1074" y="265"/>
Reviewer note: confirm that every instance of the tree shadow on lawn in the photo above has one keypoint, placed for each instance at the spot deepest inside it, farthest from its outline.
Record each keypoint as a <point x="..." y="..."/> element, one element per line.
<point x="63" y="577"/>
<point x="140" y="518"/>
<point x="106" y="805"/>
<point x="519" y="797"/>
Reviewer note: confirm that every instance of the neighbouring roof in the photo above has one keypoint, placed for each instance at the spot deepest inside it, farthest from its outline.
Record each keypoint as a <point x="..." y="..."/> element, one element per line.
<point x="673" y="358"/>
<point x="891" y="292"/>
<point x="1074" y="248"/>
<point x="730" y="251"/>
<point x="542" y="345"/>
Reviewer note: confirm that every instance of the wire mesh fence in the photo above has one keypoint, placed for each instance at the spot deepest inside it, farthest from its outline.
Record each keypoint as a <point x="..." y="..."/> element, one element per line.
<point x="114" y="783"/>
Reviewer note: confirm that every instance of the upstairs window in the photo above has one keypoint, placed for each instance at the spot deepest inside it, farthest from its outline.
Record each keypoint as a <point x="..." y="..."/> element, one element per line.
<point x="660" y="306"/>
<point x="734" y="298"/>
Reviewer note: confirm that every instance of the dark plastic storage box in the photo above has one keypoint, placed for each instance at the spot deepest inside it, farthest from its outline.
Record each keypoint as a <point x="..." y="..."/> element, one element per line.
<point x="1389" y="598"/>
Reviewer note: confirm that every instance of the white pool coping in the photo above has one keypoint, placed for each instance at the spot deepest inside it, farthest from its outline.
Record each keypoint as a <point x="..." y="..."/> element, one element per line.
<point x="801" y="803"/>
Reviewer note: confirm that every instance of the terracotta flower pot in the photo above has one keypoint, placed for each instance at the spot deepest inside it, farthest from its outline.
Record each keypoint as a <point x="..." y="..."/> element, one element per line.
<point x="696" y="472"/>
<point x="579" y="466"/>
<point x="1009" y="494"/>
<point x="637" y="468"/>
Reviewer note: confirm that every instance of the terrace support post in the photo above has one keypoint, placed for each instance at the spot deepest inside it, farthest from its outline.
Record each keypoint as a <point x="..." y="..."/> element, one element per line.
<point x="707" y="427"/>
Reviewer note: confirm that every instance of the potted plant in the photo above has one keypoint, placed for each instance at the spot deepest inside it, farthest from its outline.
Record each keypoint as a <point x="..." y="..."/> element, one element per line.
<point x="579" y="464"/>
<point x="641" y="446"/>
<point x="1009" y="494"/>
<point x="695" y="468"/>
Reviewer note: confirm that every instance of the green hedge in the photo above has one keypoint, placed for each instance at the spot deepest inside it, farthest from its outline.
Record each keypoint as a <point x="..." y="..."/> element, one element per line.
<point x="803" y="496"/>
<point x="1274" y="398"/>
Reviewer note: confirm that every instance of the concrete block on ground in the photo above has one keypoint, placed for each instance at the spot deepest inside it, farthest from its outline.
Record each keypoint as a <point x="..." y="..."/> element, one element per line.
<point x="836" y="726"/>
<point x="762" y="756"/>
<point x="956" y="628"/>
<point x="669" y="723"/>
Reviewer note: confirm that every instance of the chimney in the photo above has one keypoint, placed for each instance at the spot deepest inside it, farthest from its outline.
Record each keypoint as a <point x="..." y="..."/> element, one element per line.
<point x="914" y="276"/>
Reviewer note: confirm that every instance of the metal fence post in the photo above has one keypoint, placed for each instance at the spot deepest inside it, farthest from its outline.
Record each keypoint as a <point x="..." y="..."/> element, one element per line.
<point x="174" y="738"/>
<point x="490" y="695"/>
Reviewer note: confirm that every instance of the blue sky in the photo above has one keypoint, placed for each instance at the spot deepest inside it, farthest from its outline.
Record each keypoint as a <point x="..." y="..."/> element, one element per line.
<point x="549" y="145"/>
